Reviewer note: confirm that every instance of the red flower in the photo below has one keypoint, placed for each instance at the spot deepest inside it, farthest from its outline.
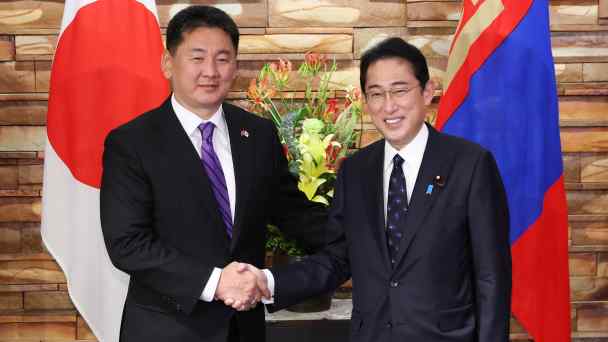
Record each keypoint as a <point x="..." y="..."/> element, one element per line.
<point x="331" y="111"/>
<point x="314" y="60"/>
<point x="331" y="154"/>
<point x="286" y="151"/>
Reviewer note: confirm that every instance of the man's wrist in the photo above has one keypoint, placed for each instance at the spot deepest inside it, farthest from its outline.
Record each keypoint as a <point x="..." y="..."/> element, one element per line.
<point x="210" y="291"/>
<point x="270" y="284"/>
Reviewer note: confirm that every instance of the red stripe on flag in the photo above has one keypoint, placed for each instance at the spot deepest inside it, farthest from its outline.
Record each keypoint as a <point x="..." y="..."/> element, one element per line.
<point x="478" y="52"/>
<point x="540" y="282"/>
<point x="102" y="76"/>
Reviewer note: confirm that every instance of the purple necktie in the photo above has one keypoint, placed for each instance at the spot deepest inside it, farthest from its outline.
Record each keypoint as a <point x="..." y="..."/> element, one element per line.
<point x="216" y="176"/>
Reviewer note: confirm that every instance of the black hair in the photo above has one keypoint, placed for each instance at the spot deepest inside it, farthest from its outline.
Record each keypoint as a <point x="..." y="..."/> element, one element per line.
<point x="193" y="17"/>
<point x="395" y="47"/>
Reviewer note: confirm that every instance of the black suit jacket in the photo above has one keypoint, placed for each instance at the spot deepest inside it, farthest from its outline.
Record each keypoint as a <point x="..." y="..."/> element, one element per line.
<point x="162" y="225"/>
<point x="452" y="278"/>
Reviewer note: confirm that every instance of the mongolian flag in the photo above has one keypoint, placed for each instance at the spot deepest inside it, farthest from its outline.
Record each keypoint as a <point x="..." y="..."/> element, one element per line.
<point x="106" y="70"/>
<point x="500" y="92"/>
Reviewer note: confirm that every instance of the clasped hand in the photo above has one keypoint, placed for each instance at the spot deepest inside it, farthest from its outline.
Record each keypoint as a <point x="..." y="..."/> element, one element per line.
<point x="242" y="286"/>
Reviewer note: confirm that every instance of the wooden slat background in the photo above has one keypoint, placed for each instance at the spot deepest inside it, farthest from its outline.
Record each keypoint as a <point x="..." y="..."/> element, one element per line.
<point x="34" y="305"/>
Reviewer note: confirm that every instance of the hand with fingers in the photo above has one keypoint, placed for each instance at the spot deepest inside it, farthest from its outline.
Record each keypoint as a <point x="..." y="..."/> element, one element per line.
<point x="241" y="286"/>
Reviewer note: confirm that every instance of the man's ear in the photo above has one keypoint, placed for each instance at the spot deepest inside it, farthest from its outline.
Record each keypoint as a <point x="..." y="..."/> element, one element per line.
<point x="166" y="64"/>
<point x="237" y="72"/>
<point x="429" y="91"/>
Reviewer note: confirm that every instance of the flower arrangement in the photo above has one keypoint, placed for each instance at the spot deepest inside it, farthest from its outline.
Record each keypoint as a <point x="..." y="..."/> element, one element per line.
<point x="317" y="130"/>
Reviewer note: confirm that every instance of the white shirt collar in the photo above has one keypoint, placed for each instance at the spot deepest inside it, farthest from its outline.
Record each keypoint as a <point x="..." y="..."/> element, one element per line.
<point x="411" y="153"/>
<point x="191" y="121"/>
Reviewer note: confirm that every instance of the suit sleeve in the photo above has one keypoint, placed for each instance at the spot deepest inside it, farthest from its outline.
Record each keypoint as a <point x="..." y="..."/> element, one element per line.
<point x="126" y="206"/>
<point x="489" y="231"/>
<point x="321" y="272"/>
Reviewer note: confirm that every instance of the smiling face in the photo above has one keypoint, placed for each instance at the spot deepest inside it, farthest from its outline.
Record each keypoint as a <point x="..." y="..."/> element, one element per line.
<point x="202" y="70"/>
<point x="395" y="100"/>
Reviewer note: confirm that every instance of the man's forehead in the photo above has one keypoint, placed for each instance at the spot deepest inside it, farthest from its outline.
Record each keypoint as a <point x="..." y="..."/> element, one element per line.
<point x="208" y="39"/>
<point x="209" y="50"/>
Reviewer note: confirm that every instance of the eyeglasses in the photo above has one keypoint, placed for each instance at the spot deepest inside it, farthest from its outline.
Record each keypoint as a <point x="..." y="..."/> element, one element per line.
<point x="376" y="97"/>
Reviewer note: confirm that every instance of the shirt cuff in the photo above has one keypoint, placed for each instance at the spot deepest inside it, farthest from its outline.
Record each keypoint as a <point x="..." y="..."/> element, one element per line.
<point x="208" y="294"/>
<point x="270" y="283"/>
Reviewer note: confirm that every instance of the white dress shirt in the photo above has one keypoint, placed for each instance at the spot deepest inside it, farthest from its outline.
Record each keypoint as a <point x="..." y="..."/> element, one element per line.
<point x="221" y="145"/>
<point x="412" y="154"/>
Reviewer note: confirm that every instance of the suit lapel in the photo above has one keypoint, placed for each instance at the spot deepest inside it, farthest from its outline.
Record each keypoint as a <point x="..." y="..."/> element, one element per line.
<point x="375" y="192"/>
<point x="422" y="201"/>
<point x="186" y="160"/>
<point x="243" y="158"/>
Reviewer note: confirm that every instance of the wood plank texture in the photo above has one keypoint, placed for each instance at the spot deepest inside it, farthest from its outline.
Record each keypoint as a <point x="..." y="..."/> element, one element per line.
<point x="337" y="13"/>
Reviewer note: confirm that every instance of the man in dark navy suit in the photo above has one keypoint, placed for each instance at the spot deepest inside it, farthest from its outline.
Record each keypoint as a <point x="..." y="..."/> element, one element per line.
<point x="424" y="222"/>
<point x="188" y="189"/>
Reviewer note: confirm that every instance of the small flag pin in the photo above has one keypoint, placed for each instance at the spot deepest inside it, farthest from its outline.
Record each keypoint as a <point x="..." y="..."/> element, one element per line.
<point x="244" y="133"/>
<point x="429" y="189"/>
<point x="439" y="181"/>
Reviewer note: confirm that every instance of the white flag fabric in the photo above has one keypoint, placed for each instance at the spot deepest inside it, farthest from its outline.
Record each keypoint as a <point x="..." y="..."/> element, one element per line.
<point x="105" y="72"/>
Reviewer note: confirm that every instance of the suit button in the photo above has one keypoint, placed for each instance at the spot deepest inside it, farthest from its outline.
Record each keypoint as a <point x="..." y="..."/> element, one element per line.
<point x="389" y="325"/>
<point x="394" y="283"/>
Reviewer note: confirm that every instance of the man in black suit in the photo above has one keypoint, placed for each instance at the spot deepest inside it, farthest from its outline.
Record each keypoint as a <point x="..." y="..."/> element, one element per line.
<point x="189" y="187"/>
<point x="424" y="222"/>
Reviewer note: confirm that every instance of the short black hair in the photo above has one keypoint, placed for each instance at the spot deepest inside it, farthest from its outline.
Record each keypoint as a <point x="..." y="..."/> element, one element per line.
<point x="193" y="17"/>
<point x="395" y="47"/>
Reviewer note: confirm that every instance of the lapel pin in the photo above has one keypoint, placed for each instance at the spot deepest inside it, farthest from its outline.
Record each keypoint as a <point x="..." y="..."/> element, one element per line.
<point x="244" y="133"/>
<point x="429" y="189"/>
<point x="440" y="182"/>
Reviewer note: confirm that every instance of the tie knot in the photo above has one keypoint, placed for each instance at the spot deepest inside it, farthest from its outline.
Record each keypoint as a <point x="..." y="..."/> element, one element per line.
<point x="206" y="129"/>
<point x="397" y="160"/>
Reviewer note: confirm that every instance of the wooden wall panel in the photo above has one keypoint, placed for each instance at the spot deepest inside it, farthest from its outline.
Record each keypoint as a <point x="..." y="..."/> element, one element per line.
<point x="571" y="72"/>
<point x="337" y="13"/>
<point x="595" y="72"/>
<point x="585" y="140"/>
<point x="22" y="138"/>
<point x="592" y="317"/>
<point x="35" y="47"/>
<point x="23" y="113"/>
<point x="423" y="11"/>
<point x="296" y="43"/>
<point x="30" y="272"/>
<point x="17" y="77"/>
<point x="583" y="264"/>
<point x="590" y="232"/>
<point x="364" y="38"/>
<point x="574" y="12"/>
<point x="7" y="48"/>
<point x="594" y="168"/>
<point x="25" y="17"/>
<point x="603" y="9"/>
<point x="583" y="111"/>
<point x="249" y="13"/>
<point x="580" y="46"/>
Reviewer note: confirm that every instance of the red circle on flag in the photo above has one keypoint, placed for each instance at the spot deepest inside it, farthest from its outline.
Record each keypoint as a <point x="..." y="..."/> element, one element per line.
<point x="106" y="71"/>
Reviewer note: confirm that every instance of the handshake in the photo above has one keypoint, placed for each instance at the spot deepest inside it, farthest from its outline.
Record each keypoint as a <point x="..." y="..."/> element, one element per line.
<point x="242" y="286"/>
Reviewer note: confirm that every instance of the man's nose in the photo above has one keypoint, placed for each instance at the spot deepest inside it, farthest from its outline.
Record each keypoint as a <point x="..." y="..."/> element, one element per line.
<point x="209" y="68"/>
<point x="389" y="104"/>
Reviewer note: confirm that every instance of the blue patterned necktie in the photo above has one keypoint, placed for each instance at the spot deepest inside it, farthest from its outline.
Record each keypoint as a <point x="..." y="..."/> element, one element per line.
<point x="212" y="166"/>
<point x="396" y="209"/>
